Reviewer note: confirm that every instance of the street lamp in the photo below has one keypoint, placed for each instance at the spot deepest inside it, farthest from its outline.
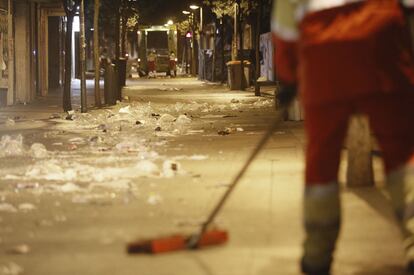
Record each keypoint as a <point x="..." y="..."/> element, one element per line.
<point x="194" y="7"/>
<point x="186" y="12"/>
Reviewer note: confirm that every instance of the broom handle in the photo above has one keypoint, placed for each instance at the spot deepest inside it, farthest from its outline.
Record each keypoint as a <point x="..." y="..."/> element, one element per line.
<point x="237" y="179"/>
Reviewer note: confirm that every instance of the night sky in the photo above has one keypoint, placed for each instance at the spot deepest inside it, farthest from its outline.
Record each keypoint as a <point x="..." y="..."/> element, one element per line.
<point x="160" y="11"/>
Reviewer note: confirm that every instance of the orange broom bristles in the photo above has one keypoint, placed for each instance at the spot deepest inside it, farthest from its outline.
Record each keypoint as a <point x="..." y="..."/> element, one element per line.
<point x="175" y="243"/>
<point x="213" y="237"/>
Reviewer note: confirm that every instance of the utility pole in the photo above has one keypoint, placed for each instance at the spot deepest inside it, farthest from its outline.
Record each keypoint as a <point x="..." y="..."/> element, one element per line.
<point x="240" y="52"/>
<point x="185" y="56"/>
<point x="96" y="54"/>
<point x="193" y="58"/>
<point x="201" y="71"/>
<point x="83" y="57"/>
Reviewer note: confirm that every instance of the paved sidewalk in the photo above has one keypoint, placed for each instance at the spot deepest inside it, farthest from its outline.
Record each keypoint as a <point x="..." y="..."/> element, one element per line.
<point x="85" y="231"/>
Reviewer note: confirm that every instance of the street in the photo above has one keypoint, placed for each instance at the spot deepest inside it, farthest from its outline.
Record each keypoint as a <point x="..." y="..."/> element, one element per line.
<point x="75" y="189"/>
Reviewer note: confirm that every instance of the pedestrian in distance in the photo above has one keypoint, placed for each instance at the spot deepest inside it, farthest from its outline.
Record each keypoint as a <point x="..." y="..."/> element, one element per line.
<point x="173" y="64"/>
<point x="152" y="61"/>
<point x="346" y="57"/>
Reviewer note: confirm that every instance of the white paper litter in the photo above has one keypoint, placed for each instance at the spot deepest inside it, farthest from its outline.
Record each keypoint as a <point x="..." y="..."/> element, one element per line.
<point x="68" y="188"/>
<point x="7" y="207"/>
<point x="26" y="207"/>
<point x="182" y="120"/>
<point x="154" y="199"/>
<point x="125" y="110"/>
<point x="90" y="198"/>
<point x="11" y="269"/>
<point x="10" y="122"/>
<point x="170" y="168"/>
<point x="128" y="146"/>
<point x="27" y="185"/>
<point x="148" y="167"/>
<point x="19" y="249"/>
<point x="193" y="157"/>
<point x="10" y="147"/>
<point x="51" y="170"/>
<point x="115" y="184"/>
<point x="77" y="140"/>
<point x="166" y="119"/>
<point x="38" y="150"/>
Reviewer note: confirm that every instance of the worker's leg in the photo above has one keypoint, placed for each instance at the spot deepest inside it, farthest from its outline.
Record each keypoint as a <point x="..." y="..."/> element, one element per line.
<point x="326" y="127"/>
<point x="392" y="119"/>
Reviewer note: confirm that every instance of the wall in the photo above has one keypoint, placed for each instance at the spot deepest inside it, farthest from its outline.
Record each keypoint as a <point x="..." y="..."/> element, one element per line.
<point x="3" y="4"/>
<point x="54" y="52"/>
<point x="22" y="20"/>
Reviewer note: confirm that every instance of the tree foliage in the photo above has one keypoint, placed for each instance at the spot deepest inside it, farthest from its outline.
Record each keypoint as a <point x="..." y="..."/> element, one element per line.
<point x="222" y="8"/>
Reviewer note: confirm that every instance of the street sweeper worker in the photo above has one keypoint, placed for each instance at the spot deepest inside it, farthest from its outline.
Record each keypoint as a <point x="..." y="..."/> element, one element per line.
<point x="348" y="56"/>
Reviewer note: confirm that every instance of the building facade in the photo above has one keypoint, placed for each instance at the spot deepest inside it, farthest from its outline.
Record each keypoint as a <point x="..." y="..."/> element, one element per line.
<point x="31" y="64"/>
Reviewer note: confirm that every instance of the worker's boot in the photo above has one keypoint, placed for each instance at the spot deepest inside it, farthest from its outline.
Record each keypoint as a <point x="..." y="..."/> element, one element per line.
<point x="322" y="223"/>
<point x="401" y="189"/>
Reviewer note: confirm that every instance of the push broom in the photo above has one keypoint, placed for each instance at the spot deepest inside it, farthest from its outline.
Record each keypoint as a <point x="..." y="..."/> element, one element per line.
<point x="205" y="236"/>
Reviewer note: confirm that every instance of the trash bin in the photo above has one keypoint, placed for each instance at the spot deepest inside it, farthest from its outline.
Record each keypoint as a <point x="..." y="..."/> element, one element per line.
<point x="233" y="69"/>
<point x="121" y="68"/>
<point x="3" y="97"/>
<point x="111" y="86"/>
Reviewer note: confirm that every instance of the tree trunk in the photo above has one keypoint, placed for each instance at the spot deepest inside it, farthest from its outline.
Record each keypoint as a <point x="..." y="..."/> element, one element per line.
<point x="123" y="31"/>
<point x="241" y="54"/>
<point x="67" y="103"/>
<point x="96" y="54"/>
<point x="234" y="54"/>
<point x="223" y="61"/>
<point x="83" y="58"/>
<point x="213" y="75"/>
<point x="117" y="31"/>
<point x="257" y="42"/>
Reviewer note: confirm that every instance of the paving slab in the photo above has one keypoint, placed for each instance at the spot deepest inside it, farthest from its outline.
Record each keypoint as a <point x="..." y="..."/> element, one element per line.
<point x="86" y="232"/>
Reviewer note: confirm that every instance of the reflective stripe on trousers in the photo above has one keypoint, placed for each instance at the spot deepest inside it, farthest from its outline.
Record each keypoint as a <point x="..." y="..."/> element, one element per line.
<point x="401" y="189"/>
<point x="322" y="217"/>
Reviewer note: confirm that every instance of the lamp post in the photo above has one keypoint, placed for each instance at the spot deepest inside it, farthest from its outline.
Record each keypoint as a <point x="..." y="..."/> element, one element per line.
<point x="193" y="53"/>
<point x="83" y="57"/>
<point x="187" y="35"/>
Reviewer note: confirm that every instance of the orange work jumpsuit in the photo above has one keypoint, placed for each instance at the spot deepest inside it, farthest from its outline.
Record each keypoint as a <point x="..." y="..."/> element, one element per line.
<point x="348" y="57"/>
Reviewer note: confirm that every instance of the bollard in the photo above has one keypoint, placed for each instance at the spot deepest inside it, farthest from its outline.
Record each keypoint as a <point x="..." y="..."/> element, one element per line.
<point x="359" y="144"/>
<point x="117" y="84"/>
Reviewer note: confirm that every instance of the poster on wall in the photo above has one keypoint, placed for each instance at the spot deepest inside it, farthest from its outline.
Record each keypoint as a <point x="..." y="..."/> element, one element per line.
<point x="4" y="53"/>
